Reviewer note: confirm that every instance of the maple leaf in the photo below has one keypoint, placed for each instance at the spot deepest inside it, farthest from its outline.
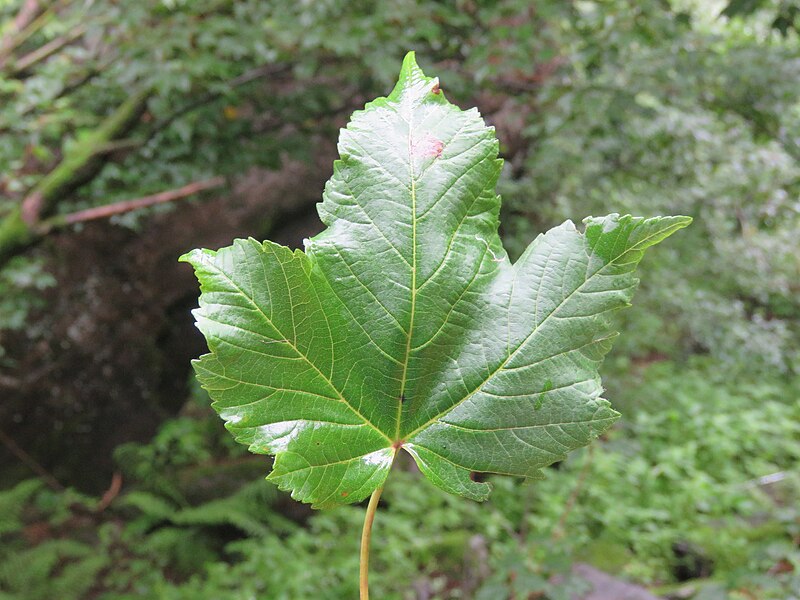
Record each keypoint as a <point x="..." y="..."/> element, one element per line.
<point x="404" y="326"/>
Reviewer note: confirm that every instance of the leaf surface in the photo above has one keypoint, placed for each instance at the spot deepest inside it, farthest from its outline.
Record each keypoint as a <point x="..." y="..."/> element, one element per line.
<point x="404" y="325"/>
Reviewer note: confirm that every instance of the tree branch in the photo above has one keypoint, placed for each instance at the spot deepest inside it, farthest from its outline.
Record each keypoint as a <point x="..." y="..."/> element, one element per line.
<point x="30" y="462"/>
<point x="44" y="52"/>
<point x="118" y="208"/>
<point x="83" y="161"/>
<point x="27" y="13"/>
<point x="211" y="96"/>
<point x="20" y="35"/>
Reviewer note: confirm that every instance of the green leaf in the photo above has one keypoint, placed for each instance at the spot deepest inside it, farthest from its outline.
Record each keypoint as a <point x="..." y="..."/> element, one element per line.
<point x="404" y="325"/>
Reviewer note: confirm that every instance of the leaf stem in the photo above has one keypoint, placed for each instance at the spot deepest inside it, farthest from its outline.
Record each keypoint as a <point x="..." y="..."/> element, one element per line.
<point x="366" y="534"/>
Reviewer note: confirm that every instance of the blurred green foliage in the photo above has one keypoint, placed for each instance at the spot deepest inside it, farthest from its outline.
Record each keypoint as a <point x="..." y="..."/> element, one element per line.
<point x="683" y="480"/>
<point x="652" y="107"/>
<point x="614" y="106"/>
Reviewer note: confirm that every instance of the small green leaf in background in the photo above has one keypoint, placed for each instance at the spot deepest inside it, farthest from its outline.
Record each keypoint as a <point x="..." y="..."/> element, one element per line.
<point x="404" y="325"/>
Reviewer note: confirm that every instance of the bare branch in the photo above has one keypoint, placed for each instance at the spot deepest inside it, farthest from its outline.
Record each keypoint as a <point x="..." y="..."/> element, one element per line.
<point x="29" y="461"/>
<point x="27" y="13"/>
<point x="82" y="162"/>
<point x="109" y="210"/>
<point x="44" y="52"/>
<point x="111" y="493"/>
<point x="211" y="96"/>
<point x="19" y="36"/>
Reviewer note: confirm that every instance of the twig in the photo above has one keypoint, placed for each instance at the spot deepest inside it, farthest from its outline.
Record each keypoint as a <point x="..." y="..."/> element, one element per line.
<point x="47" y="50"/>
<point x="16" y="39"/>
<point x="30" y="462"/>
<point x="111" y="493"/>
<point x="27" y="13"/>
<point x="109" y="210"/>
<point x="211" y="96"/>
<point x="70" y="87"/>
<point x="81" y="163"/>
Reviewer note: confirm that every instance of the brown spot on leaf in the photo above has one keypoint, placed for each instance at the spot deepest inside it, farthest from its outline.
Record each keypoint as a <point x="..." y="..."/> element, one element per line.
<point x="436" y="89"/>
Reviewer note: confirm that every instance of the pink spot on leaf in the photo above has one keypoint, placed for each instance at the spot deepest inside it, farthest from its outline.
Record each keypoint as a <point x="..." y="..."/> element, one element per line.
<point x="428" y="147"/>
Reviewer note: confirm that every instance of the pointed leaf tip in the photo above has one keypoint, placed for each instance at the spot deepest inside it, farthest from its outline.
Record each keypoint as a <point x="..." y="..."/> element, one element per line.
<point x="189" y="257"/>
<point x="410" y="75"/>
<point x="410" y="62"/>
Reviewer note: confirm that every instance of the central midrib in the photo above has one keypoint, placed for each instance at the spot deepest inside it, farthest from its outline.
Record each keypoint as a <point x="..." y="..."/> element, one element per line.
<point x="404" y="378"/>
